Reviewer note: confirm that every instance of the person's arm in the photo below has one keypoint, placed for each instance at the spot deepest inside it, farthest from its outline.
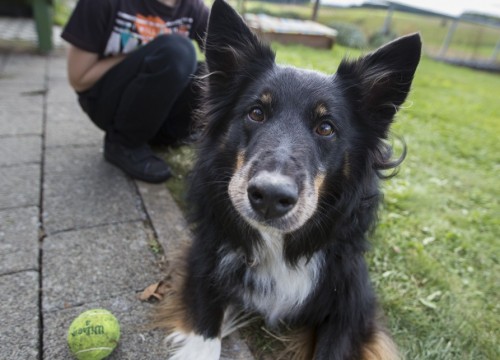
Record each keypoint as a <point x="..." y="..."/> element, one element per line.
<point x="85" y="68"/>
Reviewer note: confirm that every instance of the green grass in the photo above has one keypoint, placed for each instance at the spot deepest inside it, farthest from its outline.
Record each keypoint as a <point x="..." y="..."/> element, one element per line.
<point x="435" y="259"/>
<point x="435" y="256"/>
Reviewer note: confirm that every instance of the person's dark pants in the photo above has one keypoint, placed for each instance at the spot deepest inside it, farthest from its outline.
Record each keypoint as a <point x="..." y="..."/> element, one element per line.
<point x="149" y="96"/>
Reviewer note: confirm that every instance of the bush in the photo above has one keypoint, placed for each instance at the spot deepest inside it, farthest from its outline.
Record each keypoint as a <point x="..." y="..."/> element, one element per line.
<point x="380" y="38"/>
<point x="62" y="12"/>
<point x="350" y="35"/>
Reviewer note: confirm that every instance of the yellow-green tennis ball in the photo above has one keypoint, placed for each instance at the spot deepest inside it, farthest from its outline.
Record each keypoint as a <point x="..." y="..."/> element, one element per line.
<point x="93" y="335"/>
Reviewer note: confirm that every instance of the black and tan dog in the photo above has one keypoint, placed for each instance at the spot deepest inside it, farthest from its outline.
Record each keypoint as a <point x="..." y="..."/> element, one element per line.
<point x="283" y="193"/>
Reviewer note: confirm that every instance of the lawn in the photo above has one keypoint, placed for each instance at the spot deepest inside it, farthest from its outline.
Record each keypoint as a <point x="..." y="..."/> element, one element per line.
<point x="435" y="256"/>
<point x="435" y="259"/>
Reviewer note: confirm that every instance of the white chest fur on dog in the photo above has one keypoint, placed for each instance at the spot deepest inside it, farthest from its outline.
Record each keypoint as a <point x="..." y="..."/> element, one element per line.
<point x="272" y="287"/>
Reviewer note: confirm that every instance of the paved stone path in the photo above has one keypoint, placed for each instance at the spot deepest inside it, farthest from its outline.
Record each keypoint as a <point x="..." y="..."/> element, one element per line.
<point x="75" y="232"/>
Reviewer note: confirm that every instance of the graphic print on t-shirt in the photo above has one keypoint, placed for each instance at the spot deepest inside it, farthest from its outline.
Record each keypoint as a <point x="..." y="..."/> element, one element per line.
<point x="131" y="31"/>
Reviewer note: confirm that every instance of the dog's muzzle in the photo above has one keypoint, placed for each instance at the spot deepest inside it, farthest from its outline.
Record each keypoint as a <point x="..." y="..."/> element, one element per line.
<point x="272" y="195"/>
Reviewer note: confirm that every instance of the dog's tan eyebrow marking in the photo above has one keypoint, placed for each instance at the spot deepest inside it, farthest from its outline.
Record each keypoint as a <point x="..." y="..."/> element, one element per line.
<point x="320" y="110"/>
<point x="318" y="182"/>
<point x="266" y="98"/>
<point x="240" y="160"/>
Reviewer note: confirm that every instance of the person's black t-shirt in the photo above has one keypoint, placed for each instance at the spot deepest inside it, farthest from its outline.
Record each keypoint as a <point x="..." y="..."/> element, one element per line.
<point x="111" y="27"/>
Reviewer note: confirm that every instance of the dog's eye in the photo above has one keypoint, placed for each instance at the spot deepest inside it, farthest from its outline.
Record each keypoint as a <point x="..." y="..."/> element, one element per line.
<point x="256" y="114"/>
<point x="325" y="129"/>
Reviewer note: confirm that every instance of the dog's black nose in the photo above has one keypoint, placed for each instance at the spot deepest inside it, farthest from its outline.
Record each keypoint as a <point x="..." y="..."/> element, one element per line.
<point x="272" y="195"/>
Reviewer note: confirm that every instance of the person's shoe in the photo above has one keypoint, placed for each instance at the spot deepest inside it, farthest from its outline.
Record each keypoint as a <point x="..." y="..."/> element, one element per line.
<point x="138" y="162"/>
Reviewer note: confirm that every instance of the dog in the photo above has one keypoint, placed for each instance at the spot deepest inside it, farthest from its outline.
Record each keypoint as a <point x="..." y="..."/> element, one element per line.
<point x="283" y="193"/>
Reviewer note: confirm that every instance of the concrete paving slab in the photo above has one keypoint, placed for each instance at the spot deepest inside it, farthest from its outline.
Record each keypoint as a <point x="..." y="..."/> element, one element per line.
<point x="67" y="124"/>
<point x="83" y="202"/>
<point x="60" y="91"/>
<point x="15" y="89"/>
<point x="19" y="294"/>
<point x="18" y="76"/>
<point x="27" y="64"/>
<point x="19" y="186"/>
<point x="21" y="115"/>
<point x="84" y="161"/>
<point x="90" y="265"/>
<point x="58" y="69"/>
<point x="136" y="343"/>
<point x="84" y="191"/>
<point x="12" y="91"/>
<point x="20" y="149"/>
<point x="19" y="102"/>
<point x="28" y="123"/>
<point x="23" y="73"/>
<point x="19" y="239"/>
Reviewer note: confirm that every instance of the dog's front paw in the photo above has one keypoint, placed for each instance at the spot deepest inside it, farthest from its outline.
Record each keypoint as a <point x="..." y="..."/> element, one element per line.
<point x="193" y="347"/>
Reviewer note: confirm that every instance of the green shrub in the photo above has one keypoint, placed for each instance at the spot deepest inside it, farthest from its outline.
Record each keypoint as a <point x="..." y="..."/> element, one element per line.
<point x="62" y="11"/>
<point x="350" y="35"/>
<point x="380" y="38"/>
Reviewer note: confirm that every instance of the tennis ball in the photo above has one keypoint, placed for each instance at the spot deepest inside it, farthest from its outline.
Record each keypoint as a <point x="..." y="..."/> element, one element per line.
<point x="93" y="335"/>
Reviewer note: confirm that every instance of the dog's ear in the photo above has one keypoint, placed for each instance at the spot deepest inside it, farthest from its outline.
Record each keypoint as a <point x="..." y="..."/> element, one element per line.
<point x="383" y="79"/>
<point x="230" y="46"/>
